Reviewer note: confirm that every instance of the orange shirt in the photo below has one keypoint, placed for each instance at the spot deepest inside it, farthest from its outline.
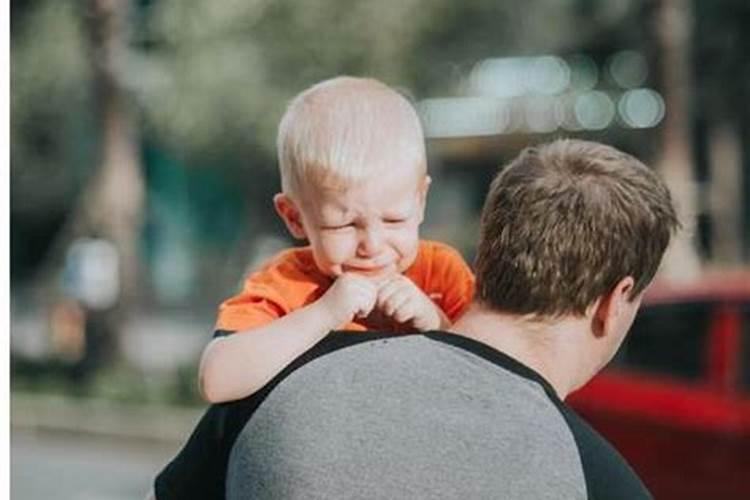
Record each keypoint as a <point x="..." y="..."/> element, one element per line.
<point x="291" y="280"/>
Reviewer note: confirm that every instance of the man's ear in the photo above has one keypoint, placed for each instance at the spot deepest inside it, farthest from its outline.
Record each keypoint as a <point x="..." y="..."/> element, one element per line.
<point x="290" y="214"/>
<point x="609" y="309"/>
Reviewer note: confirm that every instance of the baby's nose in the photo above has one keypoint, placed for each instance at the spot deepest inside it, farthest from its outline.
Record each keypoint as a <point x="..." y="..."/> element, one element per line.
<point x="371" y="242"/>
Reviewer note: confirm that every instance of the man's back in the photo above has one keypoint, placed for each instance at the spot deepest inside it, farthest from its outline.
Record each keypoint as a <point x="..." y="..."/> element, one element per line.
<point x="423" y="416"/>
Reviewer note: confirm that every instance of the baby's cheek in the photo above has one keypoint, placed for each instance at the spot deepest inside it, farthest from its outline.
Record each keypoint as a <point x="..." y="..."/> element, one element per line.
<point x="337" y="250"/>
<point x="407" y="245"/>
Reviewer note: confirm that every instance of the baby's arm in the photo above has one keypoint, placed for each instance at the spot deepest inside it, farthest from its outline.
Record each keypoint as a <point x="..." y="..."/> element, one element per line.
<point x="235" y="366"/>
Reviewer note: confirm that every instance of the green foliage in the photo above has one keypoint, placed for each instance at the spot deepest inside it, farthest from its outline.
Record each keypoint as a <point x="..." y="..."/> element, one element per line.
<point x="50" y="108"/>
<point x="224" y="70"/>
<point x="221" y="72"/>
<point x="211" y="79"/>
<point x="119" y="383"/>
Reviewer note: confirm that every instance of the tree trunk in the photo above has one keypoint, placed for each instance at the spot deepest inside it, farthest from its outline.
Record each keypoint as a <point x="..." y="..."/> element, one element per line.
<point x="114" y="207"/>
<point x="725" y="195"/>
<point x="673" y="30"/>
<point x="110" y="206"/>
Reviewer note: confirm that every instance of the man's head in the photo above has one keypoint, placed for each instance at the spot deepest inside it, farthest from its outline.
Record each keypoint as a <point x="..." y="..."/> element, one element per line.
<point x="572" y="232"/>
<point x="353" y="173"/>
<point x="564" y="223"/>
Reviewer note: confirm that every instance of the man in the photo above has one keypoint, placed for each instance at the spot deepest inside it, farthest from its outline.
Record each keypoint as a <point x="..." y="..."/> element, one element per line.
<point x="571" y="234"/>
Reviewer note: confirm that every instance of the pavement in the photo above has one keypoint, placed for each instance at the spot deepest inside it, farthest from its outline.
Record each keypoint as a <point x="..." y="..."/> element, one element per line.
<point x="87" y="449"/>
<point x="82" y="467"/>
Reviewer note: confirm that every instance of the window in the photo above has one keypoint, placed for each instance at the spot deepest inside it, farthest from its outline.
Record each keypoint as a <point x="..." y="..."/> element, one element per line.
<point x="668" y="339"/>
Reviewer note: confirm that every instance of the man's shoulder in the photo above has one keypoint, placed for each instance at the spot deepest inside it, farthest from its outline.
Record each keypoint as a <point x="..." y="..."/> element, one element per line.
<point x="427" y="402"/>
<point x="608" y="475"/>
<point x="477" y="384"/>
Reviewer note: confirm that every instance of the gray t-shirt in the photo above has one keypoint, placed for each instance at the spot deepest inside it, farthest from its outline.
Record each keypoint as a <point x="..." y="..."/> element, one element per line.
<point x="420" y="416"/>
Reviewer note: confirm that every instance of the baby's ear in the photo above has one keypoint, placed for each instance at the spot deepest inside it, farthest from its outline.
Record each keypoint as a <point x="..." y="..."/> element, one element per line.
<point x="290" y="214"/>
<point x="423" y="188"/>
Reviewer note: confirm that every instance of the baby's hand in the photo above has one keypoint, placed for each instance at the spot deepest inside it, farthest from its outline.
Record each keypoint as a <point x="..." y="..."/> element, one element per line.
<point x="403" y="301"/>
<point x="350" y="296"/>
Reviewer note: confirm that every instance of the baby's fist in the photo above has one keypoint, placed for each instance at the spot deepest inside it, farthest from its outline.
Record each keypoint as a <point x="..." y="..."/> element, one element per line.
<point x="350" y="296"/>
<point x="403" y="301"/>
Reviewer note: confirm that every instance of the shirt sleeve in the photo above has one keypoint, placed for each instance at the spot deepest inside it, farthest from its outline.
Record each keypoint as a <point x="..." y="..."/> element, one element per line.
<point x="453" y="282"/>
<point x="608" y="476"/>
<point x="198" y="470"/>
<point x="258" y="304"/>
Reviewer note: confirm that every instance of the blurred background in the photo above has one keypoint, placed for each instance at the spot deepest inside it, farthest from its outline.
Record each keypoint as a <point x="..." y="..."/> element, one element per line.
<point x="143" y="166"/>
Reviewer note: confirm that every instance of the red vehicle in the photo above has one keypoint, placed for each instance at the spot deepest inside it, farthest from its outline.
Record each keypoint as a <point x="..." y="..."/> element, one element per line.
<point x="675" y="401"/>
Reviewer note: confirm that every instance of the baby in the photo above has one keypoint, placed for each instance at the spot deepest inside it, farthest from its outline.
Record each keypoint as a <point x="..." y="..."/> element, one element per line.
<point x="354" y="183"/>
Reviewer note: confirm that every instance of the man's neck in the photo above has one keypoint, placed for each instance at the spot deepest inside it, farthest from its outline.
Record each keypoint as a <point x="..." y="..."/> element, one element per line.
<point x="551" y="348"/>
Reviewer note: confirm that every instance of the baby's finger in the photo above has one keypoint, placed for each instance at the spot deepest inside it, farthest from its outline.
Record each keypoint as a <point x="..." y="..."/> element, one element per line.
<point x="405" y="312"/>
<point x="362" y="285"/>
<point x="366" y="300"/>
<point x="396" y="301"/>
<point x="394" y="280"/>
<point x="389" y="289"/>
<point x="384" y="299"/>
<point x="358" y="280"/>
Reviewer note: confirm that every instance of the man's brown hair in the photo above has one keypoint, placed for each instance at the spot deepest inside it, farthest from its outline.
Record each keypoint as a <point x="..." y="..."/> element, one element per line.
<point x="564" y="222"/>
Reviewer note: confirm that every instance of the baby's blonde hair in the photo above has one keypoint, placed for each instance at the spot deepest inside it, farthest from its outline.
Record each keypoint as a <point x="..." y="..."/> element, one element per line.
<point x="345" y="130"/>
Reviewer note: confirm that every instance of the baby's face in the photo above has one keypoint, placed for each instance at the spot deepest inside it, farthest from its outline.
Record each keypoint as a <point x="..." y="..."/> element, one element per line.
<point x="370" y="229"/>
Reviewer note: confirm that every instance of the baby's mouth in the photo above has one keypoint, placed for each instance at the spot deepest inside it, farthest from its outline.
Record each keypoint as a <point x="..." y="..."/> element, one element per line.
<point x="370" y="271"/>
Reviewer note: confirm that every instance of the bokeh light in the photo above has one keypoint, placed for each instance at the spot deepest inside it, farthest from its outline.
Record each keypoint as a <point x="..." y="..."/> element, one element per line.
<point x="518" y="76"/>
<point x="500" y="77"/>
<point x="641" y="108"/>
<point x="547" y="75"/>
<point x="584" y="73"/>
<point x="541" y="116"/>
<point x="464" y="116"/>
<point x="594" y="110"/>
<point x="628" y="69"/>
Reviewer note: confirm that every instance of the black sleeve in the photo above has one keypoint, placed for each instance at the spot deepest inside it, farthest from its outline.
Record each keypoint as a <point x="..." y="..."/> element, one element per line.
<point x="222" y="333"/>
<point x="199" y="469"/>
<point x="608" y="475"/>
<point x="196" y="472"/>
